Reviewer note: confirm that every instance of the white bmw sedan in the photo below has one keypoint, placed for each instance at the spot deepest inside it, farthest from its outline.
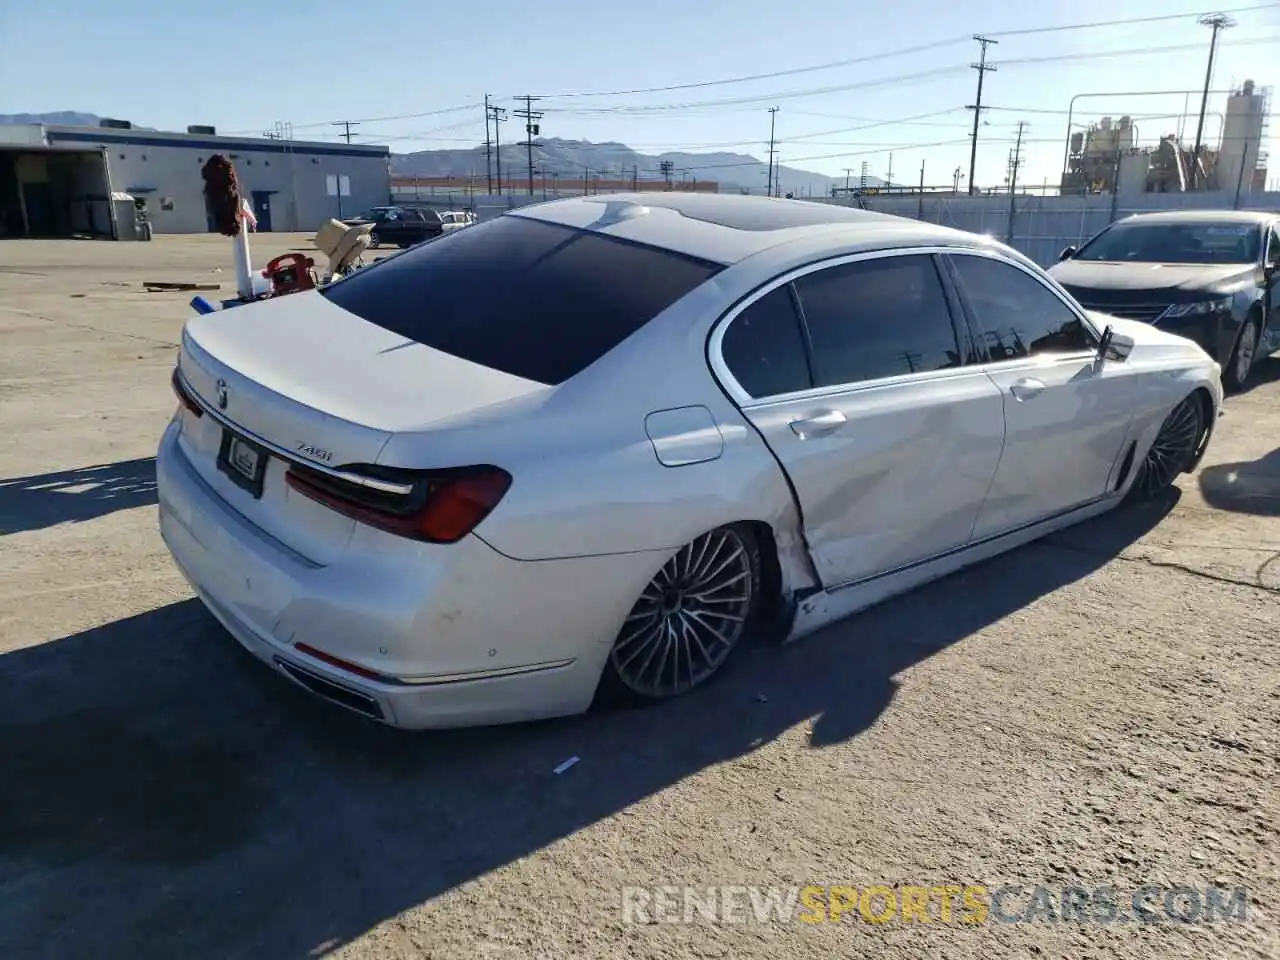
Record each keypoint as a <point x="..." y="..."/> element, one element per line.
<point x="591" y="445"/>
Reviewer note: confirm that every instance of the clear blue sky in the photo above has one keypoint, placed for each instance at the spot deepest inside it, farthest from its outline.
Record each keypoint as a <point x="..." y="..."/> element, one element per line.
<point x="243" y="65"/>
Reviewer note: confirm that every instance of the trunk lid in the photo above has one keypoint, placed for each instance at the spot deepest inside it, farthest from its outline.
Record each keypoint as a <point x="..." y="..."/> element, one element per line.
<point x="310" y="382"/>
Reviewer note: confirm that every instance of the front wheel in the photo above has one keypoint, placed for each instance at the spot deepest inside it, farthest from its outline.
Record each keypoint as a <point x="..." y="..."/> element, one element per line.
<point x="689" y="619"/>
<point x="1173" y="450"/>
<point x="1241" y="362"/>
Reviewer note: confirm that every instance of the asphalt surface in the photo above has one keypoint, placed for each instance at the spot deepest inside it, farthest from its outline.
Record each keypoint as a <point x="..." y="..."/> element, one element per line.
<point x="1098" y="709"/>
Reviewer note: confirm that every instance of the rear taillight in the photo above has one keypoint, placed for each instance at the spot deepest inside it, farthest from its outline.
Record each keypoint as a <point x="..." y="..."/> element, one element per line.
<point x="442" y="507"/>
<point x="183" y="396"/>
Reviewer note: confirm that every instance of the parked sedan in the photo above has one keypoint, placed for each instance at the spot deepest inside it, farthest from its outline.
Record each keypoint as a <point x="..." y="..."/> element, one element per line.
<point x="585" y="448"/>
<point x="1208" y="274"/>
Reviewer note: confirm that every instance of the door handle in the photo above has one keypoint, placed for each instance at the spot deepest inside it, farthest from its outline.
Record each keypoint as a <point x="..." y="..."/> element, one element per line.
<point x="806" y="428"/>
<point x="1026" y="388"/>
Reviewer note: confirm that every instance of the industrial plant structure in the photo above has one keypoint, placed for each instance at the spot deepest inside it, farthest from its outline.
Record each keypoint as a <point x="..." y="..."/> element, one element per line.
<point x="1106" y="158"/>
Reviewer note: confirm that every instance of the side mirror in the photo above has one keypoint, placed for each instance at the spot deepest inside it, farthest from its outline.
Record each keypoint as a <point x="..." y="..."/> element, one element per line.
<point x="1067" y="253"/>
<point x="1113" y="346"/>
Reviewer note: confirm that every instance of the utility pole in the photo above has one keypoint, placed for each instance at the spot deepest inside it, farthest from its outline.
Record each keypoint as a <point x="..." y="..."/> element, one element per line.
<point x="920" y="207"/>
<point x="888" y="177"/>
<point x="666" y="166"/>
<point x="982" y="67"/>
<point x="488" y="147"/>
<point x="531" y="129"/>
<point x="346" y="128"/>
<point x="773" y="120"/>
<point x="1015" y="162"/>
<point x="1217" y="22"/>
<point x="499" y="115"/>
<point x="862" y="178"/>
<point x="955" y="181"/>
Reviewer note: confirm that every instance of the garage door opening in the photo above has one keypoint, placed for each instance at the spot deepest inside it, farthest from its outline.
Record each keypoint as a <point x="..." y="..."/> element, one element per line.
<point x="54" y="192"/>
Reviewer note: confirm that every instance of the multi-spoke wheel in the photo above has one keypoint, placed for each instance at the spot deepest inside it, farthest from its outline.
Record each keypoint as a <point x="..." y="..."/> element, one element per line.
<point x="1241" y="362"/>
<point x="1173" y="450"/>
<point x="690" y="617"/>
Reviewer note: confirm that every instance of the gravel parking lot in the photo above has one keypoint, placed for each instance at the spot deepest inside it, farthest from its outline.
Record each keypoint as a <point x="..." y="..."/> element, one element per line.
<point x="1098" y="709"/>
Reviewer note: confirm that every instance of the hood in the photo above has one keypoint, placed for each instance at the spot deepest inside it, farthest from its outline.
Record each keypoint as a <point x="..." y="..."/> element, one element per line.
<point x="1166" y="278"/>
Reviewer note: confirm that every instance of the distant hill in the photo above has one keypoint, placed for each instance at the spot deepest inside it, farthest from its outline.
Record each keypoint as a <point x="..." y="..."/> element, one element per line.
<point x="62" y="117"/>
<point x="568" y="159"/>
<point x="573" y="159"/>
<point x="65" y="118"/>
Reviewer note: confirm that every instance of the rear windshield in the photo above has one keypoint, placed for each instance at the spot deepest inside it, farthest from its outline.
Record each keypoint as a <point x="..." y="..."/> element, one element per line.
<point x="533" y="299"/>
<point x="1192" y="242"/>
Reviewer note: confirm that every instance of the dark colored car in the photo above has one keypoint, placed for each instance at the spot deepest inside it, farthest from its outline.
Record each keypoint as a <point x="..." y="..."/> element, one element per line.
<point x="405" y="226"/>
<point x="1206" y="275"/>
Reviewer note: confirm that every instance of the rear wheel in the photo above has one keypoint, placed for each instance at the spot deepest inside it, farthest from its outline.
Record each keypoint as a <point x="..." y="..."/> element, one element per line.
<point x="689" y="619"/>
<point x="1241" y="362"/>
<point x="1173" y="450"/>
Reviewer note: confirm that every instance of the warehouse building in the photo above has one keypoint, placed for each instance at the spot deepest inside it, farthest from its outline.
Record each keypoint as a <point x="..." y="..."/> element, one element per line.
<point x="67" y="180"/>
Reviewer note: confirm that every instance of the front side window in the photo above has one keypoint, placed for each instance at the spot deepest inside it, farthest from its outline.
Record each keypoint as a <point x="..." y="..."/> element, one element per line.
<point x="1015" y="314"/>
<point x="1172" y="242"/>
<point x="877" y="318"/>
<point x="536" y="300"/>
<point x="764" y="347"/>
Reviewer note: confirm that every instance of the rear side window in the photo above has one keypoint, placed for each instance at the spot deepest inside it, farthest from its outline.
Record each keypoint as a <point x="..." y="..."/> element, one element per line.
<point x="764" y="347"/>
<point x="877" y="318"/>
<point x="532" y="299"/>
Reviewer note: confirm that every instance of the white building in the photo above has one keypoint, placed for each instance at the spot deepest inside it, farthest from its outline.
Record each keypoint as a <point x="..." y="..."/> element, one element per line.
<point x="57" y="180"/>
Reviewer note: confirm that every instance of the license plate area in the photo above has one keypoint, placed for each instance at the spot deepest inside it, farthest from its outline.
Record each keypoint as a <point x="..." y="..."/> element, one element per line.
<point x="243" y="462"/>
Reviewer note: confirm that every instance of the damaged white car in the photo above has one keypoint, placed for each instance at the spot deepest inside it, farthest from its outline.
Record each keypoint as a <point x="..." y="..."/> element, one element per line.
<point x="591" y="445"/>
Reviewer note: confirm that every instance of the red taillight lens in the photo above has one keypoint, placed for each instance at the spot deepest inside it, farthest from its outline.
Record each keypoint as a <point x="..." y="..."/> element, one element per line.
<point x="184" y="398"/>
<point x="444" y="507"/>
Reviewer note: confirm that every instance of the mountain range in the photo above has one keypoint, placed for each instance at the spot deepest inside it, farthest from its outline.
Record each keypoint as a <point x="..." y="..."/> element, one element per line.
<point x="570" y="160"/>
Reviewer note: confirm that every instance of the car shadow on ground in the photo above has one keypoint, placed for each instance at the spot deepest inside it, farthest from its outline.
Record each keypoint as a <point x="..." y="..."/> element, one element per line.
<point x="1252" y="487"/>
<point x="71" y="496"/>
<point x="163" y="794"/>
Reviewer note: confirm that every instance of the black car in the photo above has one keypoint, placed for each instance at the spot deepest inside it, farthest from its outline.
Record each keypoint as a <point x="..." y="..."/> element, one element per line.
<point x="1206" y="275"/>
<point x="405" y="226"/>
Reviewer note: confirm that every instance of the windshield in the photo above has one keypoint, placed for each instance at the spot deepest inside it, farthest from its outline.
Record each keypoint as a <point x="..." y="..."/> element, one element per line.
<point x="376" y="213"/>
<point x="1175" y="243"/>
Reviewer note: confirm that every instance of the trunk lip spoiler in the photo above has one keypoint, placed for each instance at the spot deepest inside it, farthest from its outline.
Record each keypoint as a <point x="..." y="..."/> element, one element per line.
<point x="385" y="486"/>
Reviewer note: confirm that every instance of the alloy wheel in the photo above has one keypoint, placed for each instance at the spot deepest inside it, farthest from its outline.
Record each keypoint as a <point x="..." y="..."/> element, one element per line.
<point x="1245" y="351"/>
<point x="689" y="618"/>
<point x="1174" y="447"/>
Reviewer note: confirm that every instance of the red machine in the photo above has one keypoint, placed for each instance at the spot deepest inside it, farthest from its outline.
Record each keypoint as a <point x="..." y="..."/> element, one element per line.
<point x="290" y="273"/>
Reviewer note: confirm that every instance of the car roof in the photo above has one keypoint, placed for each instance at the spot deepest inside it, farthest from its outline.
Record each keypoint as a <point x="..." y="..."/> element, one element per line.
<point x="1201" y="216"/>
<point x="727" y="228"/>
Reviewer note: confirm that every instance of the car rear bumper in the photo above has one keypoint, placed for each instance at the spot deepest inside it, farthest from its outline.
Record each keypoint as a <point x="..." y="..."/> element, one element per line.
<point x="426" y="637"/>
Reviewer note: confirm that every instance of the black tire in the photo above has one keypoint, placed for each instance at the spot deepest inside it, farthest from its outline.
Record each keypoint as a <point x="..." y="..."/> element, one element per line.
<point x="375" y="241"/>
<point x="685" y="614"/>
<point x="1172" y="452"/>
<point x="1236" y="373"/>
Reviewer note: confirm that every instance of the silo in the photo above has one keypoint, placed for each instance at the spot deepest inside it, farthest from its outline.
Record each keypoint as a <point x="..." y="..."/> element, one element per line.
<point x="1242" y="127"/>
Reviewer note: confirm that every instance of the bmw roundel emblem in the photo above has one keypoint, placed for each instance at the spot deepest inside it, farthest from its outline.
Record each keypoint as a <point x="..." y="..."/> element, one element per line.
<point x="222" y="394"/>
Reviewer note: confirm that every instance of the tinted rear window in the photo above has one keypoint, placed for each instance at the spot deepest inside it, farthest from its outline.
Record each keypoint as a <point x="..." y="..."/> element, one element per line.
<point x="532" y="299"/>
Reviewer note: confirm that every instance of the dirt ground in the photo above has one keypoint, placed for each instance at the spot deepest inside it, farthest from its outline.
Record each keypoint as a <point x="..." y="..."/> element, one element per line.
<point x="1098" y="709"/>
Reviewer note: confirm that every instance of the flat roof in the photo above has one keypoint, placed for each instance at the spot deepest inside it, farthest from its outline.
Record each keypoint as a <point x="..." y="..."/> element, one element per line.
<point x="202" y="141"/>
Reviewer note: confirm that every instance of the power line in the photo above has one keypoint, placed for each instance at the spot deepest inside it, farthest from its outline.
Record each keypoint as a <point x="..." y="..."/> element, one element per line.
<point x="496" y="115"/>
<point x="983" y="68"/>
<point x="346" y="125"/>
<point x="773" y="117"/>
<point x="891" y="54"/>
<point x="531" y="130"/>
<point x="901" y="79"/>
<point x="1217" y="23"/>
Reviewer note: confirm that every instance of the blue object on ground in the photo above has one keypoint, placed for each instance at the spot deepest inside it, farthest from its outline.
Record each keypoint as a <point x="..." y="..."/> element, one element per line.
<point x="201" y="305"/>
